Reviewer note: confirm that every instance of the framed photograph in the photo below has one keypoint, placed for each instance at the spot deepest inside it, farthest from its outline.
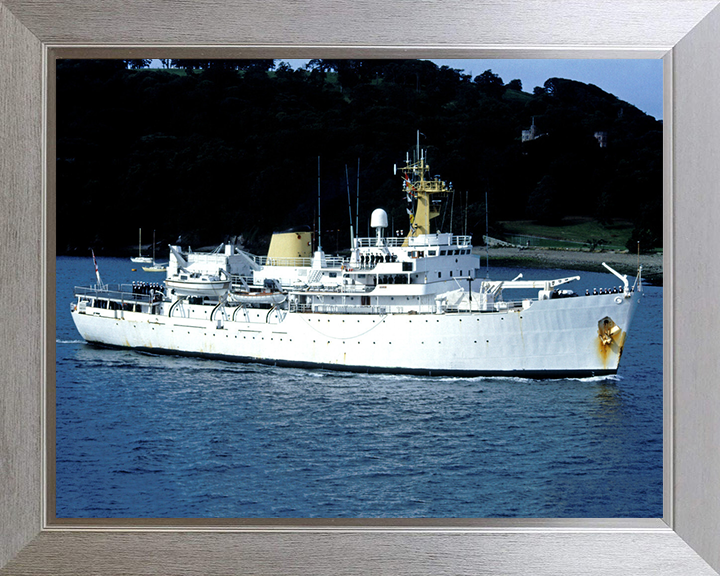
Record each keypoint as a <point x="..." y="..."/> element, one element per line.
<point x="394" y="414"/>
<point x="683" y="541"/>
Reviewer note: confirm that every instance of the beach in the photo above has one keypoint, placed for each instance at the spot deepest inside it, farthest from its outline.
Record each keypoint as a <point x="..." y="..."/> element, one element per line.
<point x="533" y="257"/>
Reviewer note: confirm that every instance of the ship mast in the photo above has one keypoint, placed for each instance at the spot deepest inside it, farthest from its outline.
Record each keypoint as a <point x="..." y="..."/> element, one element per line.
<point x="420" y="191"/>
<point x="319" y="247"/>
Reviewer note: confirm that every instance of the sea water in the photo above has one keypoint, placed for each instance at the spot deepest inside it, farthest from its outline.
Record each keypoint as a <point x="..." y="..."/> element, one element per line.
<point x="143" y="435"/>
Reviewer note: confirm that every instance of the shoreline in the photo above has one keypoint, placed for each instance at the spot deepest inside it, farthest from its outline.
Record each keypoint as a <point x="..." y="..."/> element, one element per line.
<point x="545" y="258"/>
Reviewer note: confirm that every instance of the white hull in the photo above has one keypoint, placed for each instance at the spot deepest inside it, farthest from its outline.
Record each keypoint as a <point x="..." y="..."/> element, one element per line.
<point x="141" y="260"/>
<point x="551" y="338"/>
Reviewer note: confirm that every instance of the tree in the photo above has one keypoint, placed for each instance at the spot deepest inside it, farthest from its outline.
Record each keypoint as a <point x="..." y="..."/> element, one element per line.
<point x="324" y="65"/>
<point x="490" y="83"/>
<point x="255" y="65"/>
<point x="137" y="64"/>
<point x="284" y="70"/>
<point x="551" y="85"/>
<point x="187" y="65"/>
<point x="515" y="85"/>
<point x="648" y="228"/>
<point x="595" y="243"/>
<point x="544" y="204"/>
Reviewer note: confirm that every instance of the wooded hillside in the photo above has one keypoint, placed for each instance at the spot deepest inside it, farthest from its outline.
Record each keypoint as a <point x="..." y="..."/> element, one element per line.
<point x="207" y="150"/>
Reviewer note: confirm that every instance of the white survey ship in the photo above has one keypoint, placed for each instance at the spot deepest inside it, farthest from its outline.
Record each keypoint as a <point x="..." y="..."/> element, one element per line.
<point x="411" y="304"/>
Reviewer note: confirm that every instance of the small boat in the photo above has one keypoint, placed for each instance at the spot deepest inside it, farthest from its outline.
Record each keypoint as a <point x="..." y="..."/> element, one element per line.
<point x="270" y="293"/>
<point x="253" y="298"/>
<point x="155" y="266"/>
<point x="187" y="283"/>
<point x="140" y="259"/>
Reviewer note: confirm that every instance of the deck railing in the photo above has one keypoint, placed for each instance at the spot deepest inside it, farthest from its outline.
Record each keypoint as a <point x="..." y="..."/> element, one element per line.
<point x="428" y="240"/>
<point x="330" y="261"/>
<point x="116" y="292"/>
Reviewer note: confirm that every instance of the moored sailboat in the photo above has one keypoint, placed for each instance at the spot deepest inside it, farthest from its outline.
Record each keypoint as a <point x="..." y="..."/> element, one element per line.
<point x="140" y="259"/>
<point x="155" y="267"/>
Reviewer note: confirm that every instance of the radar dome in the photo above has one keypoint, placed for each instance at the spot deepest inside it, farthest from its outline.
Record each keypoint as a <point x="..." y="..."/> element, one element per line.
<point x="379" y="219"/>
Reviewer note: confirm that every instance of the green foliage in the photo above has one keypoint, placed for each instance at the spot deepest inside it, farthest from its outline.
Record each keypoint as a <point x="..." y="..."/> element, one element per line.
<point x="595" y="243"/>
<point x="576" y="229"/>
<point x="208" y="149"/>
<point x="135" y="64"/>
<point x="490" y="83"/>
<point x="514" y="85"/>
<point x="544" y="203"/>
<point x="647" y="234"/>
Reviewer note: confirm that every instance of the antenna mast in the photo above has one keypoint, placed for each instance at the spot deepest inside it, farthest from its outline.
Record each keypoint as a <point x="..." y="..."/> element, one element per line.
<point x="347" y="182"/>
<point x="466" y="206"/>
<point x="319" y="227"/>
<point x="487" y="244"/>
<point x="452" y="208"/>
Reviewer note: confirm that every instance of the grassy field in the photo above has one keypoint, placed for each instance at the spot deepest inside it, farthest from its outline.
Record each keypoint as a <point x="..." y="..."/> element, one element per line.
<point x="575" y="229"/>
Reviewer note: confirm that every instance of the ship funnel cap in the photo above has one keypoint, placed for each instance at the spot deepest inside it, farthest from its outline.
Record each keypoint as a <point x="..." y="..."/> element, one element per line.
<point x="379" y="218"/>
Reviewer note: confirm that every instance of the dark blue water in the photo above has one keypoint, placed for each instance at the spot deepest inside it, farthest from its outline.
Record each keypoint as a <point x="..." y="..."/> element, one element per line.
<point x="141" y="435"/>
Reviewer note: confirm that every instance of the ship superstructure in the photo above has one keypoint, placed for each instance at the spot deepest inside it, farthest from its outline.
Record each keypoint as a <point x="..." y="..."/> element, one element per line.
<point x="415" y="303"/>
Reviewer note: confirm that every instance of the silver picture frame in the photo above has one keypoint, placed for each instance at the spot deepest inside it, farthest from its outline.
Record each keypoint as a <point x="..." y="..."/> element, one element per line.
<point x="685" y="33"/>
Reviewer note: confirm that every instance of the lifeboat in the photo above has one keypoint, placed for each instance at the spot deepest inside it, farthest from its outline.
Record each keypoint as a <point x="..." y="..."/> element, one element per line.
<point x="246" y="298"/>
<point x="198" y="284"/>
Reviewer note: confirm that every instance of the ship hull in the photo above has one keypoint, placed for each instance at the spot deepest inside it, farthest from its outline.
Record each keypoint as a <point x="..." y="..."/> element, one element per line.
<point x="551" y="338"/>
